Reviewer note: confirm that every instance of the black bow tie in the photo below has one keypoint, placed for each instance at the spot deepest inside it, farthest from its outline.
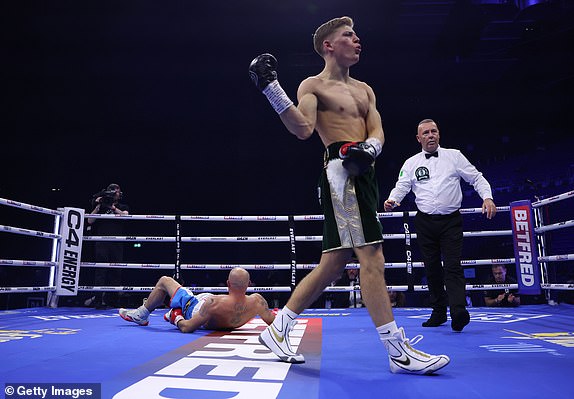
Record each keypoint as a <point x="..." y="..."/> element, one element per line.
<point x="432" y="154"/>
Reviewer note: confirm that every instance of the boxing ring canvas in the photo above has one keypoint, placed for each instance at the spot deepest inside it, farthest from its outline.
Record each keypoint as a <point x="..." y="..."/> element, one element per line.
<point x="523" y="352"/>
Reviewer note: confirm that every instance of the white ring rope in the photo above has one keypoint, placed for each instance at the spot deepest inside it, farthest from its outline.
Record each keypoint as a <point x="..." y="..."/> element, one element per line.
<point x="194" y="289"/>
<point x="554" y="226"/>
<point x="27" y="289"/>
<point x="263" y="266"/>
<point x="29" y="207"/>
<point x="230" y="218"/>
<point x="469" y="287"/>
<point x="20" y="230"/>
<point x="129" y="238"/>
<point x="556" y="258"/>
<point x="556" y="198"/>
<point x="19" y="262"/>
<point x="269" y="266"/>
<point x="567" y="286"/>
<point x="236" y="218"/>
<point x="485" y="233"/>
<point x="132" y="217"/>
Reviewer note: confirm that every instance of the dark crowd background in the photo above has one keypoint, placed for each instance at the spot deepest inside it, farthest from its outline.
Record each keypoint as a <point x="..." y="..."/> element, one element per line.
<point x="155" y="96"/>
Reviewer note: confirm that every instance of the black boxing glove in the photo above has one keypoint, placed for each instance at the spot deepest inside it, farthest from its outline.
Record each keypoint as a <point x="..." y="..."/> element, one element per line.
<point x="359" y="156"/>
<point x="263" y="73"/>
<point x="263" y="70"/>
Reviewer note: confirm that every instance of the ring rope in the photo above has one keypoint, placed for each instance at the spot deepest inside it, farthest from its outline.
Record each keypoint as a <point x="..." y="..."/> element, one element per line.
<point x="255" y="266"/>
<point x="133" y="217"/>
<point x="20" y="262"/>
<point x="236" y="218"/>
<point x="269" y="238"/>
<point x="35" y="233"/>
<point x="48" y="288"/>
<point x="29" y="207"/>
<point x="556" y="286"/>
<point x="231" y="218"/>
<point x="556" y="198"/>
<point x="554" y="226"/>
<point x="556" y="258"/>
<point x="469" y="287"/>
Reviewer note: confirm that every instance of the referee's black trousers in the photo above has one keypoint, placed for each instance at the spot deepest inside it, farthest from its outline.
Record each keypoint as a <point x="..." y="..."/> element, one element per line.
<point x="440" y="238"/>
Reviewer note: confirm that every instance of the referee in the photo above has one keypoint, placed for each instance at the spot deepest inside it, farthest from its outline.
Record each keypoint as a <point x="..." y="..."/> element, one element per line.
<point x="434" y="176"/>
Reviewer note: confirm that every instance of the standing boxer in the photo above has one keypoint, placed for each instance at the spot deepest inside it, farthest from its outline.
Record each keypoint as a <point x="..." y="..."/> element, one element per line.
<point x="343" y="112"/>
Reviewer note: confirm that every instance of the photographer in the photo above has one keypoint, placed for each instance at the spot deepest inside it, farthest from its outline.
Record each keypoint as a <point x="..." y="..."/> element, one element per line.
<point x="502" y="297"/>
<point x="107" y="201"/>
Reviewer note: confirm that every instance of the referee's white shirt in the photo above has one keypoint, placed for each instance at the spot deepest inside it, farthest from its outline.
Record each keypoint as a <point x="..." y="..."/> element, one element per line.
<point x="436" y="181"/>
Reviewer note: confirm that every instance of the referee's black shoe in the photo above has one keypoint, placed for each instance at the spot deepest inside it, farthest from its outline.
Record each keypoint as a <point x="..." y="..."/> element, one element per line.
<point x="459" y="320"/>
<point x="435" y="320"/>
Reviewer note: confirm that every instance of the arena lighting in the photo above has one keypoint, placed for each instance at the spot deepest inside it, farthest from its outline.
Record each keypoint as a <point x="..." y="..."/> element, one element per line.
<point x="499" y="2"/>
<point x="523" y="4"/>
<point x="520" y="4"/>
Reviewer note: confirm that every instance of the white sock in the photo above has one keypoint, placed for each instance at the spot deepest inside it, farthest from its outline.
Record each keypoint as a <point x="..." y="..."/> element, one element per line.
<point x="387" y="330"/>
<point x="142" y="312"/>
<point x="284" y="316"/>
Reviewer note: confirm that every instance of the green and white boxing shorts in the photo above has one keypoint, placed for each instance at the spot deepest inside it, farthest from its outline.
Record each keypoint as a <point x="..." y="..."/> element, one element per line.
<point x="349" y="204"/>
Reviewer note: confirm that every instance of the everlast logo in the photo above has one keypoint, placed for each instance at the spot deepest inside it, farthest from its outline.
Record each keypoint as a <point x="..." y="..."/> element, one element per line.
<point x="266" y="218"/>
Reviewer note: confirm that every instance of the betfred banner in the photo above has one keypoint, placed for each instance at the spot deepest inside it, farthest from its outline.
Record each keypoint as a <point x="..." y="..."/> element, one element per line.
<point x="72" y="231"/>
<point x="525" y="249"/>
